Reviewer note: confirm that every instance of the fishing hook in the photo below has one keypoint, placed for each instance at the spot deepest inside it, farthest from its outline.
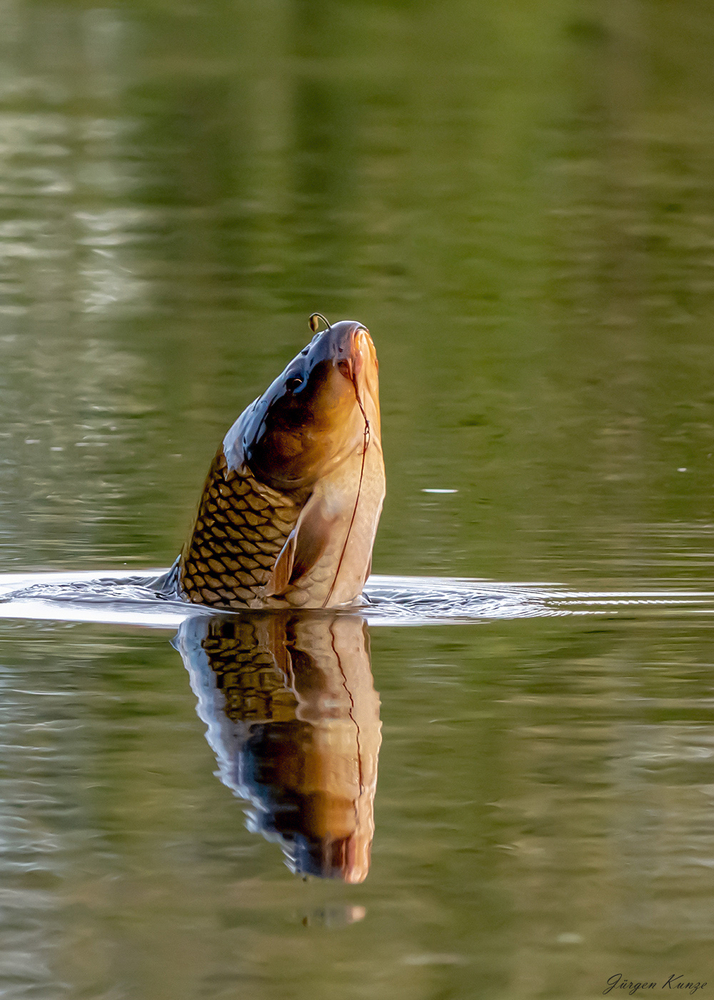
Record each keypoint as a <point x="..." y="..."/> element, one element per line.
<point x="314" y="324"/>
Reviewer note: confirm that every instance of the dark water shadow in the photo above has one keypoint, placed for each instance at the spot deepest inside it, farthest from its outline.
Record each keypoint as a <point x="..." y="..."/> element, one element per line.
<point x="293" y="719"/>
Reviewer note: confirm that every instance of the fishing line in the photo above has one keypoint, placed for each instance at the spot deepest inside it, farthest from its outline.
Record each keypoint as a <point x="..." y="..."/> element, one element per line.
<point x="359" y="489"/>
<point x="358" y="732"/>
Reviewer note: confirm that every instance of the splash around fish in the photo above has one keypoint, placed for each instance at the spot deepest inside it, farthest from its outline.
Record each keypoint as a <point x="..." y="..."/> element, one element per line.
<point x="290" y="508"/>
<point x="287" y="520"/>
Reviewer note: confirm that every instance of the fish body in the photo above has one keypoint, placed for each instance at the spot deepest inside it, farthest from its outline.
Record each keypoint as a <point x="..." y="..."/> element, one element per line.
<point x="293" y="718"/>
<point x="290" y="508"/>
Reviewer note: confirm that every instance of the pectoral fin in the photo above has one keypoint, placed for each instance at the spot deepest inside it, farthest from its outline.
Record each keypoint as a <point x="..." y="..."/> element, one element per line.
<point x="304" y="546"/>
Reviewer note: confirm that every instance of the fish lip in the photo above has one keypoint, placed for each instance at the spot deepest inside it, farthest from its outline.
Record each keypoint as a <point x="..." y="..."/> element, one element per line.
<point x="349" y="348"/>
<point x="344" y="344"/>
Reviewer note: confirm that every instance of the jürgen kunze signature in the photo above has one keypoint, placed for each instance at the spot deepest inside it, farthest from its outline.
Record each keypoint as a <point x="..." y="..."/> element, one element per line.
<point x="620" y="982"/>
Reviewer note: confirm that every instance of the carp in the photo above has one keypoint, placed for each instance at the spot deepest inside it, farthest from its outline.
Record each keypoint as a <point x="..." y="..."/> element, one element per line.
<point x="292" y="715"/>
<point x="290" y="508"/>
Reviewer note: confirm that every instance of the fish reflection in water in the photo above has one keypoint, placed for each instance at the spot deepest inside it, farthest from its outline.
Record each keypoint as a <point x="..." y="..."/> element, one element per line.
<point x="293" y="718"/>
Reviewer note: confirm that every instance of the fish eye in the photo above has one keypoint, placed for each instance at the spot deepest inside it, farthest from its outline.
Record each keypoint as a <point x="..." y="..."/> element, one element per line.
<point x="293" y="383"/>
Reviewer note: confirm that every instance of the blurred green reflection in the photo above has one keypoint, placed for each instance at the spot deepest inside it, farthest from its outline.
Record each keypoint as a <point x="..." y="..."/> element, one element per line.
<point x="517" y="199"/>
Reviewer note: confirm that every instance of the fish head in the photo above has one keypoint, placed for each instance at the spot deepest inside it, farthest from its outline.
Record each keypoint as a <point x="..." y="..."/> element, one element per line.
<point x="321" y="410"/>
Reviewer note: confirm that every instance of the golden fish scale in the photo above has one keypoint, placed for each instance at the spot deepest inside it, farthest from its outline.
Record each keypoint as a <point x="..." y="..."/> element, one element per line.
<point x="240" y="528"/>
<point x="253" y="687"/>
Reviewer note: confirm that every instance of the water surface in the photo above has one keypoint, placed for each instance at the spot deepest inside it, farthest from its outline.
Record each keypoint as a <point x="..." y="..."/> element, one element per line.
<point x="517" y="201"/>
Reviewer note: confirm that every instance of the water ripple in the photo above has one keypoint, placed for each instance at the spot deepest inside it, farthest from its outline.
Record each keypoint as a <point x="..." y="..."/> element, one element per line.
<point x="125" y="597"/>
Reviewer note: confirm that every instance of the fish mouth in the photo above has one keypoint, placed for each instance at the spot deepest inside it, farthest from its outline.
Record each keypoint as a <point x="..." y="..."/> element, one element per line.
<point x="361" y="350"/>
<point x="349" y="346"/>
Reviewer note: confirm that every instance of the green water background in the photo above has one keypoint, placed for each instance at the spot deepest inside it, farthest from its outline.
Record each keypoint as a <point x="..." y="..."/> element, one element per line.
<point x="518" y="200"/>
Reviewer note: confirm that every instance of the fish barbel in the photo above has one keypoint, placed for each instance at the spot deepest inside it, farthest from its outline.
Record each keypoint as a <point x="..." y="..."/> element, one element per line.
<point x="291" y="504"/>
